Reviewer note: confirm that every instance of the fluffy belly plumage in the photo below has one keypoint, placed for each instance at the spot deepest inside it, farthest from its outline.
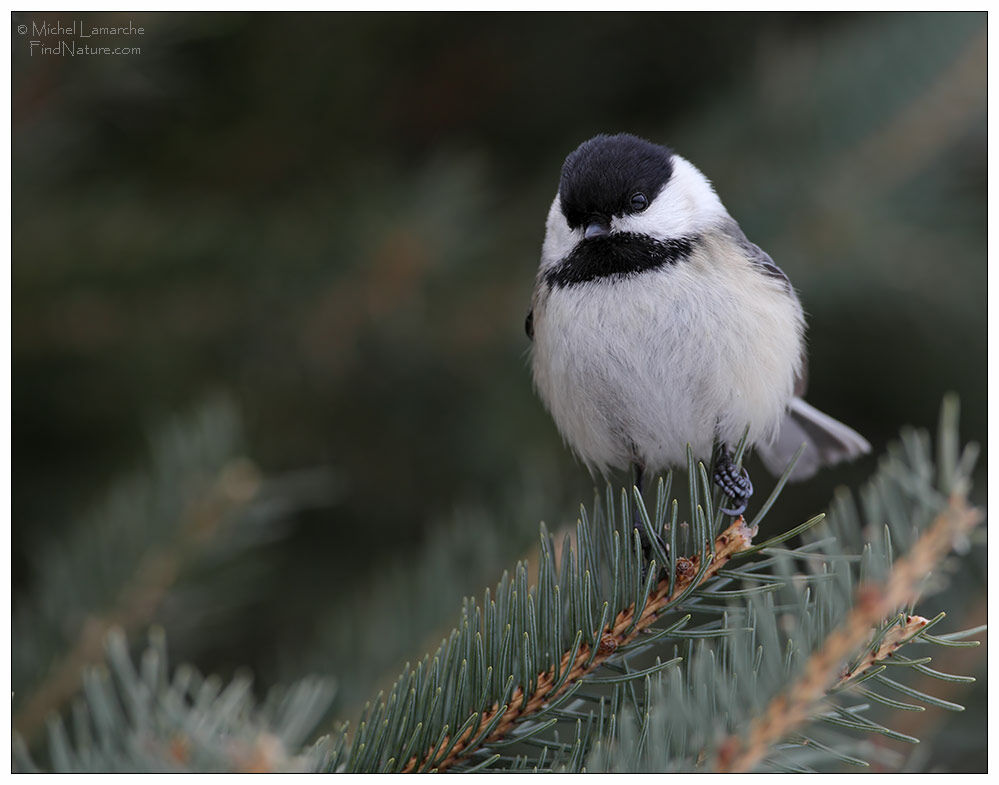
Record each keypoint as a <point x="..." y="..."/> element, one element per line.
<point x="635" y="369"/>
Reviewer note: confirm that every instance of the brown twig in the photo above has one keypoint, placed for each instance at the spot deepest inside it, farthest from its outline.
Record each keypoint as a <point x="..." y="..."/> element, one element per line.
<point x="624" y="629"/>
<point x="894" y="640"/>
<point x="824" y="669"/>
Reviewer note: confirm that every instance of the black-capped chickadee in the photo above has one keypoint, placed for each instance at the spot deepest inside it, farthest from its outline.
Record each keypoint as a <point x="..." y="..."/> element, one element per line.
<point x="657" y="324"/>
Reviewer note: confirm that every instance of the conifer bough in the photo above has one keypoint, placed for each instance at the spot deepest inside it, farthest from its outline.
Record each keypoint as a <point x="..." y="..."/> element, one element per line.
<point x="743" y="657"/>
<point x="583" y="661"/>
<point x="874" y="603"/>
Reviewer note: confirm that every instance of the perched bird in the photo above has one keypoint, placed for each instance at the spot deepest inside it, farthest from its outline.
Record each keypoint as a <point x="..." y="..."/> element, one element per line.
<point x="656" y="324"/>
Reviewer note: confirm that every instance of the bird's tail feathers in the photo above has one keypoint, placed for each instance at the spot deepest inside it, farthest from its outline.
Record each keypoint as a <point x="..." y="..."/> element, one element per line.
<point x="828" y="442"/>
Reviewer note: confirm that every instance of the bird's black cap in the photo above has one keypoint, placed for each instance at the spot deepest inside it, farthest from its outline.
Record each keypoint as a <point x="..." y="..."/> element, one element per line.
<point x="600" y="176"/>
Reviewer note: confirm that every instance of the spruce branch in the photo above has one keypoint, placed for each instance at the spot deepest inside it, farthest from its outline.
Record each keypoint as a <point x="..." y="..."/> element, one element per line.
<point x="236" y="484"/>
<point x="145" y="718"/>
<point x="796" y="707"/>
<point x="582" y="661"/>
<point x="729" y="684"/>
<point x="883" y="647"/>
<point x="200" y="499"/>
<point x="569" y="671"/>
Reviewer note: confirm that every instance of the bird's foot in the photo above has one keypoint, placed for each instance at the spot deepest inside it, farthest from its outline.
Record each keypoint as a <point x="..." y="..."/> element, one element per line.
<point x="734" y="482"/>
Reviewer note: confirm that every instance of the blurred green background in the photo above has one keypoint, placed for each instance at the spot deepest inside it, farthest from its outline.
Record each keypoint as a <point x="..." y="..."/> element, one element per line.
<point x="335" y="221"/>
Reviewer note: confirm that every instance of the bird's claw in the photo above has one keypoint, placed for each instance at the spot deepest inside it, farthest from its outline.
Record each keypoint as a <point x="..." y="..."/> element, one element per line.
<point x="735" y="483"/>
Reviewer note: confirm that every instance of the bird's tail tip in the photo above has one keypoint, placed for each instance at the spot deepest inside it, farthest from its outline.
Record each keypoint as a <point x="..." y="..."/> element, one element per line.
<point x="827" y="440"/>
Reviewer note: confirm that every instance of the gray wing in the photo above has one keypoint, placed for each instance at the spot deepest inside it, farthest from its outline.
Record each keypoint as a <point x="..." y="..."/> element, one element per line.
<point x="761" y="259"/>
<point x="757" y="255"/>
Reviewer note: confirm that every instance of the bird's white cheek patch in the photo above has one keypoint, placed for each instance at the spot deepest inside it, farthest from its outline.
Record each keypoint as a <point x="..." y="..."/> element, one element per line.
<point x="559" y="238"/>
<point x="686" y="206"/>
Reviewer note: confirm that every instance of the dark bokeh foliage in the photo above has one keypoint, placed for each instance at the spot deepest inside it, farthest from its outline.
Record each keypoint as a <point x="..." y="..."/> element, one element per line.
<point x="336" y="218"/>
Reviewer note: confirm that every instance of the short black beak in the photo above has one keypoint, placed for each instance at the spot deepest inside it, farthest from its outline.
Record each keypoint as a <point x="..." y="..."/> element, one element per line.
<point x="597" y="226"/>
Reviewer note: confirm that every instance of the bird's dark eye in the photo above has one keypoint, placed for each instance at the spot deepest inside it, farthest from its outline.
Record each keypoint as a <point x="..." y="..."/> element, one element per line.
<point x="639" y="202"/>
